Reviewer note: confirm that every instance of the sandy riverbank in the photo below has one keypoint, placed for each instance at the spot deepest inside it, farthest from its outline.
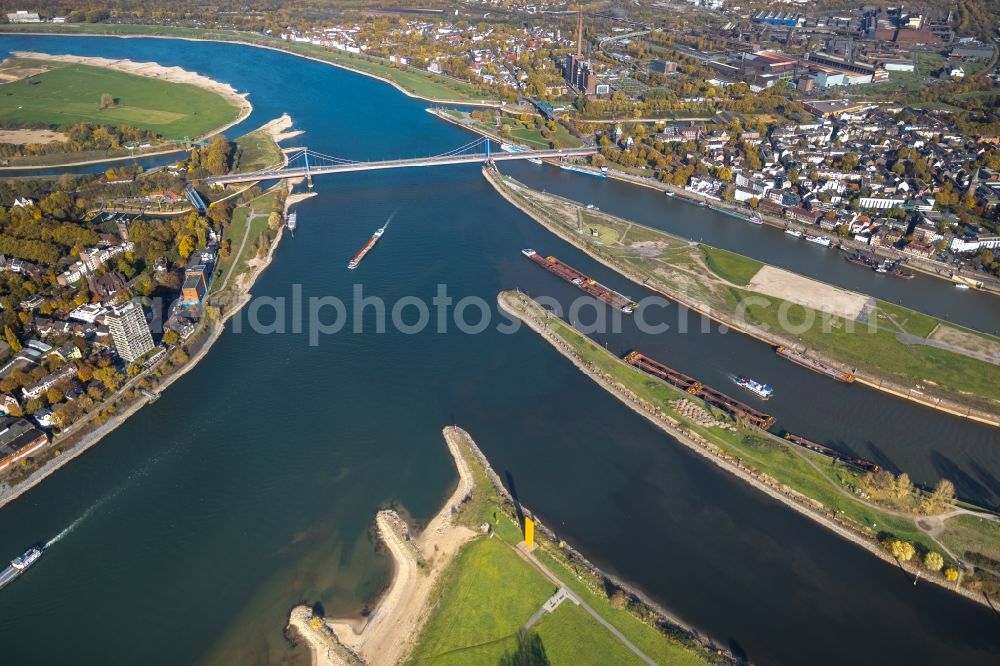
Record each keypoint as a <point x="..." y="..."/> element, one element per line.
<point x="531" y="314"/>
<point x="240" y="42"/>
<point x="391" y="631"/>
<point x="862" y="376"/>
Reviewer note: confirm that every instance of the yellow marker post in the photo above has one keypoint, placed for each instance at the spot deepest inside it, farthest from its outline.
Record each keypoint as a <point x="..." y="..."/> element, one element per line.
<point x="529" y="532"/>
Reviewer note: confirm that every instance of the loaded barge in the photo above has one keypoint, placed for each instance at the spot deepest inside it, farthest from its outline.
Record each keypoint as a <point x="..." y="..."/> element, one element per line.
<point x="583" y="281"/>
<point x="353" y="263"/>
<point x="814" y="364"/>
<point x="731" y="406"/>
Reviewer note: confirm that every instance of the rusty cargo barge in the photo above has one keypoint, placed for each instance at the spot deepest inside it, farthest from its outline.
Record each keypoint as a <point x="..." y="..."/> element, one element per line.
<point x="715" y="398"/>
<point x="814" y="364"/>
<point x="583" y="281"/>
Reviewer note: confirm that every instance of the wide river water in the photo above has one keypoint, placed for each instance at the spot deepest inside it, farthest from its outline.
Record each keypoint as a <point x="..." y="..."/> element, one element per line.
<point x="187" y="534"/>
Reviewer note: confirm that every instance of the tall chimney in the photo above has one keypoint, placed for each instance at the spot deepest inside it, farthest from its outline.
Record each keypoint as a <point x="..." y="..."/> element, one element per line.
<point x="579" y="34"/>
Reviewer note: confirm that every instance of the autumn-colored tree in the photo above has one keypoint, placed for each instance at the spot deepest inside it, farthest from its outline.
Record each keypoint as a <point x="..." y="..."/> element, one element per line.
<point x="901" y="550"/>
<point x="12" y="340"/>
<point x="940" y="499"/>
<point x="107" y="100"/>
<point x="170" y="337"/>
<point x="933" y="561"/>
<point x="185" y="246"/>
<point x="951" y="573"/>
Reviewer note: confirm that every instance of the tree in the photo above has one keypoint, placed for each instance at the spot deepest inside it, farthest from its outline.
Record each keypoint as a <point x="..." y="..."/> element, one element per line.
<point x="933" y="561"/>
<point x="185" y="246"/>
<point x="618" y="599"/>
<point x="170" y="337"/>
<point x="941" y="498"/>
<point x="107" y="100"/>
<point x="901" y="550"/>
<point x="951" y="573"/>
<point x="274" y="220"/>
<point x="903" y="485"/>
<point x="12" y="340"/>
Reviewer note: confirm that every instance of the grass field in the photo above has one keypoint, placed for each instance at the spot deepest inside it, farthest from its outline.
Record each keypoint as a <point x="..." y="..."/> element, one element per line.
<point x="490" y="591"/>
<point x="486" y="595"/>
<point x="70" y="94"/>
<point x="416" y="81"/>
<point x="730" y="266"/>
<point x="257" y="150"/>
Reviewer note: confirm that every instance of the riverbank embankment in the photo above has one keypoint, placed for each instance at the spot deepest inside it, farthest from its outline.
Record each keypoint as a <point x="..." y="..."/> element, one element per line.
<point x="516" y="194"/>
<point x="83" y="435"/>
<point x="390" y="632"/>
<point x="540" y="321"/>
<point x="242" y="40"/>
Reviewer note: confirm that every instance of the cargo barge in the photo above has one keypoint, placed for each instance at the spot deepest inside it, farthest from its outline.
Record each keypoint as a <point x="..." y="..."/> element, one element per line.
<point x="731" y="406"/>
<point x="584" y="282"/>
<point x="353" y="263"/>
<point x="860" y="463"/>
<point x="814" y="364"/>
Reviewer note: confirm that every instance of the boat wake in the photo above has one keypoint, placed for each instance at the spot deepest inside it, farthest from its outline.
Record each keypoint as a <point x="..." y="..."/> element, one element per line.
<point x="141" y="472"/>
<point x="386" y="225"/>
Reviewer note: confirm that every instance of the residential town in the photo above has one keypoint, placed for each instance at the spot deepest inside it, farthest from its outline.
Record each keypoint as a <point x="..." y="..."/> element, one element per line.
<point x="828" y="118"/>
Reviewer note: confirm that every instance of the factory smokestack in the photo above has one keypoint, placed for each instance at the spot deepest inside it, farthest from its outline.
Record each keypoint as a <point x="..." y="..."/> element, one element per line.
<point x="579" y="34"/>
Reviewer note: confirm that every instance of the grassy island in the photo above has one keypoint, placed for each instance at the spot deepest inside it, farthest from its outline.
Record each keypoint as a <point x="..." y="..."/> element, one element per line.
<point x="922" y="535"/>
<point x="60" y="94"/>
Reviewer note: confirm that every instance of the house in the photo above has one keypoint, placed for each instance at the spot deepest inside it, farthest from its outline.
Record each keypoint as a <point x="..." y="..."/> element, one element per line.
<point x="51" y="380"/>
<point x="8" y="404"/>
<point x="18" y="439"/>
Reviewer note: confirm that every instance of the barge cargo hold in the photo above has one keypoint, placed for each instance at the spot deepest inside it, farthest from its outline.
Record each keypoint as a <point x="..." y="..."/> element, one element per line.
<point x="731" y="406"/>
<point x="583" y="281"/>
<point x="353" y="263"/>
<point x="814" y="364"/>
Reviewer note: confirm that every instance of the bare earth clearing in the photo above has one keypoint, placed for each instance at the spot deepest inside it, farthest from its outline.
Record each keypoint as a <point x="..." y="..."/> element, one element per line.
<point x="788" y="286"/>
<point x="23" y="137"/>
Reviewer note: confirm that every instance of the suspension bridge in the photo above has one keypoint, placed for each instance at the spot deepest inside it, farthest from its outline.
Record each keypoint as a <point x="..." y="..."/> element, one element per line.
<point x="305" y="163"/>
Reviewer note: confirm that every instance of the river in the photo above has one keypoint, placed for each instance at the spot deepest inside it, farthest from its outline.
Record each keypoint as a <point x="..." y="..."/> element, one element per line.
<point x="251" y="484"/>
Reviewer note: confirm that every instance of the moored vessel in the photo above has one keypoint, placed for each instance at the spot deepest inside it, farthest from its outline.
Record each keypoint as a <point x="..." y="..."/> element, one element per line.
<point x="292" y="221"/>
<point x="794" y="232"/>
<point x="513" y="148"/>
<point x="603" y="173"/>
<point x="814" y="364"/>
<point x="820" y="240"/>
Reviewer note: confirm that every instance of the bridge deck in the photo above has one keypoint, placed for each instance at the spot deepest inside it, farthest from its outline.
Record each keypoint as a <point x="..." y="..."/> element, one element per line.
<point x="300" y="172"/>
